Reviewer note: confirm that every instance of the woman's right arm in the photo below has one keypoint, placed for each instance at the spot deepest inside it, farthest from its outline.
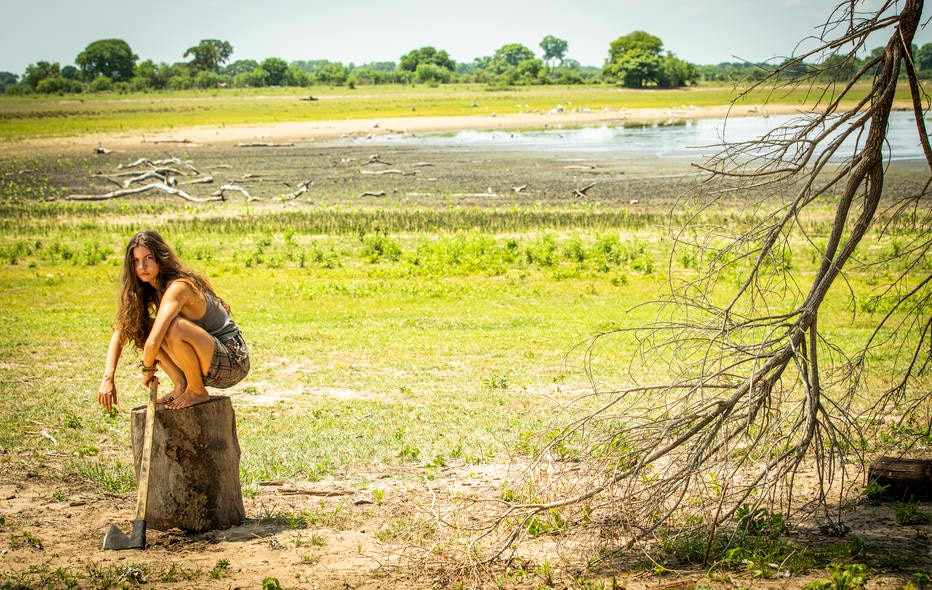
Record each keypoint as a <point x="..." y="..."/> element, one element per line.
<point x="107" y="394"/>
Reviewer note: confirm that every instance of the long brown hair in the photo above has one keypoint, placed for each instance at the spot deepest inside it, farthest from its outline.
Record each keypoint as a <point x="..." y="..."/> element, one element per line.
<point x="139" y="300"/>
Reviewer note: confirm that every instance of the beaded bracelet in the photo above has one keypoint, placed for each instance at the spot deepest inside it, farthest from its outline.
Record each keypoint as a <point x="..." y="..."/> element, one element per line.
<point x="147" y="369"/>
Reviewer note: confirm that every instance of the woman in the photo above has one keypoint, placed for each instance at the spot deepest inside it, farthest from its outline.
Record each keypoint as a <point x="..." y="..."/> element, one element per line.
<point x="173" y="315"/>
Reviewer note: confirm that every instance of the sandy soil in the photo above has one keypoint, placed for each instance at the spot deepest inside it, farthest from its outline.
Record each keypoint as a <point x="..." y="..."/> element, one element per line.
<point x="51" y="525"/>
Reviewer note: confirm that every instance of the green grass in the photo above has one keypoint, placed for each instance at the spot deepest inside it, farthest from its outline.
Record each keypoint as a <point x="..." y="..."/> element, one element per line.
<point x="451" y="343"/>
<point x="64" y="116"/>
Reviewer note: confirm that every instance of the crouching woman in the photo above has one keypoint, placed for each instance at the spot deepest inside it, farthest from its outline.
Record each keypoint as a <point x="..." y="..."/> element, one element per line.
<point x="172" y="314"/>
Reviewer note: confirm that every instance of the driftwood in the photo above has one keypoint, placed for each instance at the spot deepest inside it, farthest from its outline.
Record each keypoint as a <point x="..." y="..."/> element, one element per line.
<point x="184" y="140"/>
<point x="202" y="180"/>
<point x="263" y="144"/>
<point x="233" y="187"/>
<point x="391" y="171"/>
<point x="376" y="159"/>
<point x="141" y="189"/>
<point x="195" y="467"/>
<point x="581" y="192"/>
<point x="148" y="175"/>
<point x="903" y="479"/>
<point x="302" y="188"/>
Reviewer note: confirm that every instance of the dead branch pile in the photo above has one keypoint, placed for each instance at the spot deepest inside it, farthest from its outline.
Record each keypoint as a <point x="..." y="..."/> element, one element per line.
<point x="159" y="175"/>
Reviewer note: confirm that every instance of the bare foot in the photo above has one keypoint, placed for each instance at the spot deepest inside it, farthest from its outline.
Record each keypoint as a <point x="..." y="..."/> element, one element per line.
<point x="167" y="398"/>
<point x="187" y="399"/>
<point x="177" y="391"/>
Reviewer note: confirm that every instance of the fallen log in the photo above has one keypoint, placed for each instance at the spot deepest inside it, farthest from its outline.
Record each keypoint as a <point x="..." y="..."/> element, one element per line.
<point x="233" y="187"/>
<point x="138" y="162"/>
<point x="141" y="189"/>
<point x="203" y="180"/>
<point x="581" y="192"/>
<point x="392" y="171"/>
<point x="902" y="479"/>
<point x="302" y="188"/>
<point x="263" y="144"/>
<point x="146" y="176"/>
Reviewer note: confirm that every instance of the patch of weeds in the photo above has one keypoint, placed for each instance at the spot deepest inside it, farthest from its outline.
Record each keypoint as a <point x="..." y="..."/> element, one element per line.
<point x="27" y="539"/>
<point x="553" y="523"/>
<point x="176" y="573"/>
<point x="220" y="569"/>
<point x="496" y="381"/>
<point x="73" y="421"/>
<point x="406" y="531"/>
<point x="841" y="577"/>
<point x="874" y="492"/>
<point x="119" y="478"/>
<point x="760" y="521"/>
<point x="114" y="575"/>
<point x="921" y="580"/>
<point x="409" y="453"/>
<point x="86" y="451"/>
<point x="907" y="513"/>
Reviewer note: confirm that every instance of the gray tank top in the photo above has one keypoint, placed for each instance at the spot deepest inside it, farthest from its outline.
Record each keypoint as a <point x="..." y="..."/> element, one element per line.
<point x="217" y="322"/>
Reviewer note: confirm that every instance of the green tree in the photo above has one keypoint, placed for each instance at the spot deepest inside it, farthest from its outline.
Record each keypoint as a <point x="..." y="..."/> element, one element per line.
<point x="676" y="72"/>
<point x="148" y="74"/>
<point x="205" y="79"/>
<point x="554" y="50"/>
<point x="636" y="41"/>
<point x="39" y="71"/>
<point x="636" y="60"/>
<point x="838" y="68"/>
<point x="209" y="55"/>
<point x="240" y="66"/>
<point x="334" y="73"/>
<point x="509" y="56"/>
<point x="112" y="58"/>
<point x="427" y="73"/>
<point x="924" y="58"/>
<point x="7" y="79"/>
<point x="426" y="55"/>
<point x="634" y="69"/>
<point x="276" y="68"/>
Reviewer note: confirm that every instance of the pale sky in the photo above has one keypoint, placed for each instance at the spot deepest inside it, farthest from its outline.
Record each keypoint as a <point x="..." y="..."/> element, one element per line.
<point x="360" y="31"/>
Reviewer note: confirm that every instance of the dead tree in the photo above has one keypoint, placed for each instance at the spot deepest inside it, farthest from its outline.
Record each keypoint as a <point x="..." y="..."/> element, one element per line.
<point x="737" y="387"/>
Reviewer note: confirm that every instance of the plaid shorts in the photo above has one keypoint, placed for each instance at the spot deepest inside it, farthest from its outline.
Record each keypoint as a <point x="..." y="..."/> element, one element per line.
<point x="229" y="364"/>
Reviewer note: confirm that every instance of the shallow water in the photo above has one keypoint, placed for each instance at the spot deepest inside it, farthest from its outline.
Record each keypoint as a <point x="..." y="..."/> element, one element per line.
<point x="695" y="139"/>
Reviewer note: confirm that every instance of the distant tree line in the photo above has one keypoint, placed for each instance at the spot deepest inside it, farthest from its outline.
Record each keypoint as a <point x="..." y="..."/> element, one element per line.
<point x="636" y="60"/>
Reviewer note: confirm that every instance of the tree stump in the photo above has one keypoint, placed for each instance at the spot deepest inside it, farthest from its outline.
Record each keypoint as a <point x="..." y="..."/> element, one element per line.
<point x="194" y="471"/>
<point x="904" y="478"/>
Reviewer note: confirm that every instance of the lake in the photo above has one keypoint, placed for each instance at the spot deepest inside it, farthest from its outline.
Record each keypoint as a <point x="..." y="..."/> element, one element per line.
<point x="695" y="139"/>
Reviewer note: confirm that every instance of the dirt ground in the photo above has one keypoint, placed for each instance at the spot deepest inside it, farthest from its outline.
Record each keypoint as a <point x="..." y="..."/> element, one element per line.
<point x="51" y="525"/>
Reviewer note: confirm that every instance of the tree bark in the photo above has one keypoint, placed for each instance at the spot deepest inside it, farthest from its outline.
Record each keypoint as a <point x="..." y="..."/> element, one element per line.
<point x="194" y="468"/>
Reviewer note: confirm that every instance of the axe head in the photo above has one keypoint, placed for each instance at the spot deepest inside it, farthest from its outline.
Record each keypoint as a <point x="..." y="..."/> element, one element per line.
<point x="115" y="539"/>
